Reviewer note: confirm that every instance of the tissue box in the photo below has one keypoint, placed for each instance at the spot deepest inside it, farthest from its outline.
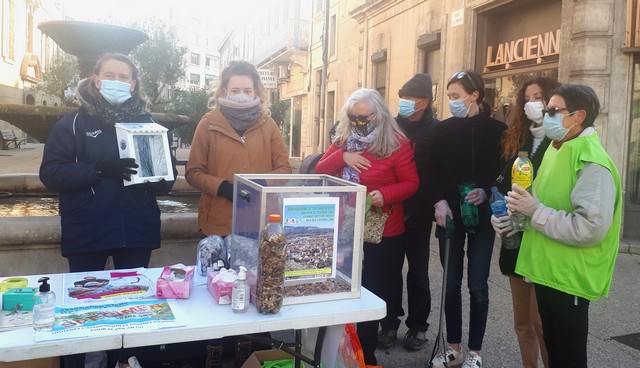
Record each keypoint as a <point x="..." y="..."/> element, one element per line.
<point x="175" y="282"/>
<point x="147" y="143"/>
<point x="221" y="290"/>
<point x="16" y="296"/>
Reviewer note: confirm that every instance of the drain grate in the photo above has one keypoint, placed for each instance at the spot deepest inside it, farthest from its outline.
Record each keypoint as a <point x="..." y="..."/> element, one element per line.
<point x="632" y="340"/>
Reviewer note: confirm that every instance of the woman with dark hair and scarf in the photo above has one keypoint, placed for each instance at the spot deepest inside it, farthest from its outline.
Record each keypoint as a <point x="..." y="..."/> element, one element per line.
<point x="100" y="216"/>
<point x="235" y="137"/>
<point x="465" y="152"/>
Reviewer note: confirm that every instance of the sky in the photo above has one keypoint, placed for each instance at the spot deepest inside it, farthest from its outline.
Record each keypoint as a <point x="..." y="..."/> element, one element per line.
<point x="125" y="12"/>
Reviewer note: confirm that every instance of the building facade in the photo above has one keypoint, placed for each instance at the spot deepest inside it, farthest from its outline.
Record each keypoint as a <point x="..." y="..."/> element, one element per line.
<point x="381" y="43"/>
<point x="26" y="52"/>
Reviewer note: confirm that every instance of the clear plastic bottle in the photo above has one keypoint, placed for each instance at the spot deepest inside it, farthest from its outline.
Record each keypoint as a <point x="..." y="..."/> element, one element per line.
<point x="468" y="211"/>
<point x="240" y="292"/>
<point x="44" y="307"/>
<point x="271" y="262"/>
<point x="499" y="208"/>
<point x="522" y="175"/>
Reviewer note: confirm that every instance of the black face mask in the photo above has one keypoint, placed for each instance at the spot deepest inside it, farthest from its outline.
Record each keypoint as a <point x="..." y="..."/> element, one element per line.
<point x="360" y="123"/>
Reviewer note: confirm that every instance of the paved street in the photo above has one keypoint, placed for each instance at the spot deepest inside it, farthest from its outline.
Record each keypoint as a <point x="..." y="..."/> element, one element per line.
<point x="615" y="316"/>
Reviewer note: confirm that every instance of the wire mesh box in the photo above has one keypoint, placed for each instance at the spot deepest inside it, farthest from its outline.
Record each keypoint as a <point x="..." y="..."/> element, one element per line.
<point x="147" y="143"/>
<point x="322" y="217"/>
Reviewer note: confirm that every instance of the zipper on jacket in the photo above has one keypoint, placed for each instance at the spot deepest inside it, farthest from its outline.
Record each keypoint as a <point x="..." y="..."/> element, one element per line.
<point x="242" y="138"/>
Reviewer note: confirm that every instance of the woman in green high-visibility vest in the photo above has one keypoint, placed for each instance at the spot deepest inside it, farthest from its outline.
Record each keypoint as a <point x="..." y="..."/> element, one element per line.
<point x="569" y="250"/>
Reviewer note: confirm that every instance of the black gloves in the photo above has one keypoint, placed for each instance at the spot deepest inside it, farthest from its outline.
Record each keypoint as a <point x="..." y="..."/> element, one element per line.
<point x="226" y="190"/>
<point x="121" y="168"/>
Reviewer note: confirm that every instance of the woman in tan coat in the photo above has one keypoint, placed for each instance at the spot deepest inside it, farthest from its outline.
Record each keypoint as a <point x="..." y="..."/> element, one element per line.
<point x="235" y="137"/>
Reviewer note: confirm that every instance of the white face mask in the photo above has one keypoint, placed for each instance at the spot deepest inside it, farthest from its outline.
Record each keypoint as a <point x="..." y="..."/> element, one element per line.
<point x="533" y="111"/>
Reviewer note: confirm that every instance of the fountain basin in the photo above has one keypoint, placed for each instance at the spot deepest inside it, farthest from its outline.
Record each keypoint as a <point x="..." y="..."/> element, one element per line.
<point x="31" y="245"/>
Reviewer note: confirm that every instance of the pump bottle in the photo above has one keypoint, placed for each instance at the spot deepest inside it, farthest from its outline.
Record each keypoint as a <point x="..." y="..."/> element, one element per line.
<point x="240" y="292"/>
<point x="44" y="307"/>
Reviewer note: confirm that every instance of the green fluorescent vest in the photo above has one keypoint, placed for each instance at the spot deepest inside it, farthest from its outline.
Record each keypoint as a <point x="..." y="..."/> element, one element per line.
<point x="585" y="272"/>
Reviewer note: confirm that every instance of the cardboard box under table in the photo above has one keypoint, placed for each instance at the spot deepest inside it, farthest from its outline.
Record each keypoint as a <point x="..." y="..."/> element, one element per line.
<point x="147" y="143"/>
<point x="323" y="219"/>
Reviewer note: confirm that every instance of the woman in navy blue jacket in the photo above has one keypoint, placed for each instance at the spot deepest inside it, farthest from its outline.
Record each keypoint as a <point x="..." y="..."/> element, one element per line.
<point x="100" y="216"/>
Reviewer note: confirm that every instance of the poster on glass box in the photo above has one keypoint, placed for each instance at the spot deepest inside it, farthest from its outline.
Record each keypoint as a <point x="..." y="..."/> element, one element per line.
<point x="311" y="230"/>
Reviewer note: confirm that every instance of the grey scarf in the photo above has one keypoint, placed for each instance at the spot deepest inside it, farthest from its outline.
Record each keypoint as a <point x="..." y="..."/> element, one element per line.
<point x="241" y="116"/>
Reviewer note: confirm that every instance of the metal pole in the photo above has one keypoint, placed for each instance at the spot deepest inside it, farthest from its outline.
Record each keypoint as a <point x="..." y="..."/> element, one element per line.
<point x="323" y="83"/>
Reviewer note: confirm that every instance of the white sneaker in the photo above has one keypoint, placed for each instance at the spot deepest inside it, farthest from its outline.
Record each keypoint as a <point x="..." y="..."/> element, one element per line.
<point x="473" y="360"/>
<point x="450" y="358"/>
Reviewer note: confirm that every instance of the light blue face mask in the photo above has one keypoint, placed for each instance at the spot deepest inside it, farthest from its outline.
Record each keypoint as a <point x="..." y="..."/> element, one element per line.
<point x="114" y="91"/>
<point x="553" y="127"/>
<point x="458" y="109"/>
<point x="406" y="107"/>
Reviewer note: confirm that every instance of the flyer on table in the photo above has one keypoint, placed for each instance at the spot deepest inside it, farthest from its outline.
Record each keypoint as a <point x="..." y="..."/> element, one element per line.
<point x="109" y="318"/>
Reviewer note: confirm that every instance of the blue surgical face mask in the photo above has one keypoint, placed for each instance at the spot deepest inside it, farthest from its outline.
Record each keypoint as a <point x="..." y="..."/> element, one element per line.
<point x="553" y="127"/>
<point x="114" y="91"/>
<point x="406" y="107"/>
<point x="458" y="108"/>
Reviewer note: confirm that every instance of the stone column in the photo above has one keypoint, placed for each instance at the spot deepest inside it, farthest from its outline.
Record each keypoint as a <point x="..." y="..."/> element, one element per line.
<point x="593" y="33"/>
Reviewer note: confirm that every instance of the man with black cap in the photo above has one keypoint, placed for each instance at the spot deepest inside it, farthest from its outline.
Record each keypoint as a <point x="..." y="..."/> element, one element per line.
<point x="415" y="118"/>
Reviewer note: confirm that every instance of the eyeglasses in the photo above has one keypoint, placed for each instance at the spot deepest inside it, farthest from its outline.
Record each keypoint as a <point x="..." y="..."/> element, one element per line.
<point x="552" y="111"/>
<point x="460" y="75"/>
<point x="358" y="119"/>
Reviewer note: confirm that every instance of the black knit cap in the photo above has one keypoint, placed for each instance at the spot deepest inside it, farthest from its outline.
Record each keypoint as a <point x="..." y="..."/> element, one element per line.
<point x="418" y="86"/>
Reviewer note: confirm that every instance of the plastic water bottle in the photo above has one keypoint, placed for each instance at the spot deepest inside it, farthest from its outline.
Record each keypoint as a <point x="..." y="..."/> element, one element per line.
<point x="499" y="208"/>
<point x="469" y="211"/>
<point x="272" y="258"/>
<point x="522" y="175"/>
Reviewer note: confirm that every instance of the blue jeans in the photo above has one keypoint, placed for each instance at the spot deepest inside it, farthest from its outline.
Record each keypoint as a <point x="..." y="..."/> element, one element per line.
<point x="479" y="249"/>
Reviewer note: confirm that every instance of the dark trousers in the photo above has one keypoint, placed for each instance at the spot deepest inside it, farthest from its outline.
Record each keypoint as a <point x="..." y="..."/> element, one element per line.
<point x="122" y="258"/>
<point x="381" y="273"/>
<point x="479" y="249"/>
<point x="565" y="326"/>
<point x="416" y="248"/>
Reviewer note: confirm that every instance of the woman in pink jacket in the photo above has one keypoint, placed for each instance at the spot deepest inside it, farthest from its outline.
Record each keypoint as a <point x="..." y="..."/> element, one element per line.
<point x="369" y="148"/>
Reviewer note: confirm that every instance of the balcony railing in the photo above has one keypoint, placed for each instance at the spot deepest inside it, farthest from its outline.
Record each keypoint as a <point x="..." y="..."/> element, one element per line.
<point x="291" y="34"/>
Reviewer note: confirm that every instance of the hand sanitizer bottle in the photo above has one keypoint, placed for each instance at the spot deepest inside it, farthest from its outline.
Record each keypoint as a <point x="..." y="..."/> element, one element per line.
<point x="240" y="292"/>
<point x="44" y="307"/>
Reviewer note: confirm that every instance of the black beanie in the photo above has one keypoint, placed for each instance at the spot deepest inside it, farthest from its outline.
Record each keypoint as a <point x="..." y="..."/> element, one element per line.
<point x="418" y="86"/>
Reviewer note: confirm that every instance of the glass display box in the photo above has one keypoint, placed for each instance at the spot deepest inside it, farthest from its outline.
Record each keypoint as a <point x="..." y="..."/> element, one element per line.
<point x="148" y="144"/>
<point x="323" y="220"/>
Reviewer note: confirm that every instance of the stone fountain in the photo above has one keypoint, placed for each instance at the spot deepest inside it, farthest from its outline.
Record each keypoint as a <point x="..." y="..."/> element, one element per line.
<point x="87" y="41"/>
<point x="30" y="245"/>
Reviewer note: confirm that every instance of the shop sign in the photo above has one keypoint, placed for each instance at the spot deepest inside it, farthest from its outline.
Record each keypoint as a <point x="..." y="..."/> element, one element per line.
<point x="268" y="78"/>
<point x="535" y="47"/>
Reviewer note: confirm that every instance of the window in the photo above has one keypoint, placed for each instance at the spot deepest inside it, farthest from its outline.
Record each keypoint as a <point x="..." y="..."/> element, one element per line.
<point x="318" y="7"/>
<point x="430" y="59"/>
<point x="8" y="30"/>
<point x="209" y="79"/>
<point x="195" y="58"/>
<point x="194" y="79"/>
<point x="208" y="62"/>
<point x="633" y="18"/>
<point x="379" y="60"/>
<point x="332" y="36"/>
